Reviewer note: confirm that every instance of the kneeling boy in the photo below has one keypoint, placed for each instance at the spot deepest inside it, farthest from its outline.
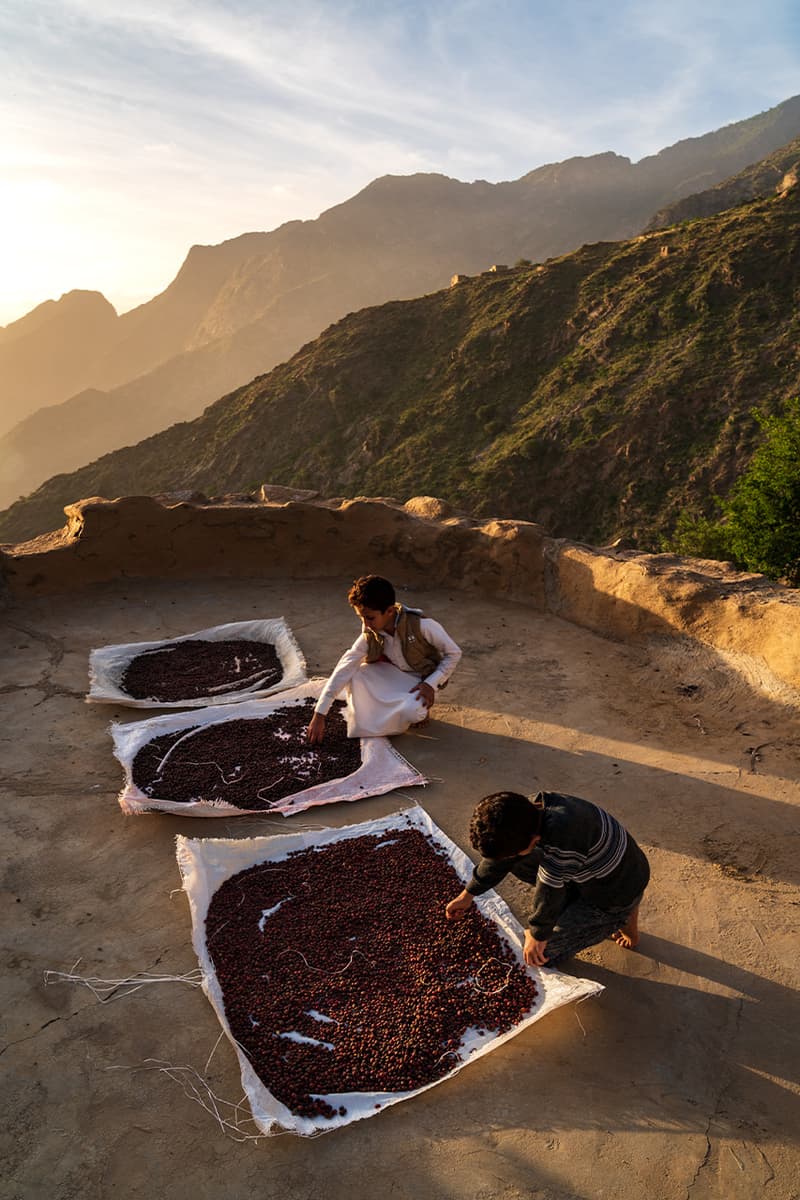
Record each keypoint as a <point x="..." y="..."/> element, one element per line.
<point x="587" y="871"/>
<point x="392" y="671"/>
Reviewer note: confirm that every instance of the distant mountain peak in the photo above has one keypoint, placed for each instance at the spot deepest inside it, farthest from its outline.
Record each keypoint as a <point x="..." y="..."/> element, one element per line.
<point x="67" y="303"/>
<point x="77" y="306"/>
<point x="83" y="296"/>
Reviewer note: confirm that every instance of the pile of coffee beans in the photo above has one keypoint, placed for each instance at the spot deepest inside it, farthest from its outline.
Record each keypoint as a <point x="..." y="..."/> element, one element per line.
<point x="340" y="972"/>
<point x="251" y="763"/>
<point x="195" y="668"/>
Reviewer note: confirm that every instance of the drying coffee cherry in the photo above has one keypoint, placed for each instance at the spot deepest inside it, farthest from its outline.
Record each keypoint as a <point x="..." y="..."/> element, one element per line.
<point x="196" y="668"/>
<point x="340" y="972"/>
<point x="251" y="763"/>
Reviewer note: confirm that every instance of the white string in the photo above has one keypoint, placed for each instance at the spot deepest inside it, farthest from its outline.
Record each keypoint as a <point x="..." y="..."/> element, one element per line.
<point x="226" y="1113"/>
<point x="303" y="773"/>
<point x="241" y="685"/>
<point x="174" y="746"/>
<point x="209" y="762"/>
<point x="218" y="930"/>
<point x="455" y="1054"/>
<point x="319" y="970"/>
<point x="266" y="870"/>
<point x="268" y="787"/>
<point x="580" y="1000"/>
<point x="268" y="822"/>
<point x="197" y="1089"/>
<point x="104" y="989"/>
<point x="492" y="991"/>
<point x="213" y="1052"/>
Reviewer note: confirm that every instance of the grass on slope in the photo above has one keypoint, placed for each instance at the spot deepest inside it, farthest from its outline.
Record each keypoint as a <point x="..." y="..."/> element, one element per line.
<point x="598" y="393"/>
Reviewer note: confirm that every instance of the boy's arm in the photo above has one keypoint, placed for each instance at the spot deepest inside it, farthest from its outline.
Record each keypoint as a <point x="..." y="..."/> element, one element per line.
<point x="484" y="876"/>
<point x="488" y="873"/>
<point x="341" y="675"/>
<point x="316" y="729"/>
<point x="433" y="632"/>
<point x="548" y="903"/>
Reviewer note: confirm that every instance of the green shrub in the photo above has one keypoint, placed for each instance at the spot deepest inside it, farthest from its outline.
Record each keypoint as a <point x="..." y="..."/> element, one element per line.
<point x="760" y="523"/>
<point x="762" y="513"/>
<point x="699" y="537"/>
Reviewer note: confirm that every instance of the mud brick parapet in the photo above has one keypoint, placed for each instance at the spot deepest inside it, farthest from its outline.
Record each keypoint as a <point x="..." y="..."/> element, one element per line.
<point x="752" y="623"/>
<point x="139" y="536"/>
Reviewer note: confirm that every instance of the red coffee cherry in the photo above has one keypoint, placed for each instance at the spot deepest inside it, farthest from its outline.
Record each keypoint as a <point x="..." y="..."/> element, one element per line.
<point x="340" y="972"/>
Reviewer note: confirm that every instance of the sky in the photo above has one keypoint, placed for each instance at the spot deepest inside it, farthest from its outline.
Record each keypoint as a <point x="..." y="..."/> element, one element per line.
<point x="132" y="129"/>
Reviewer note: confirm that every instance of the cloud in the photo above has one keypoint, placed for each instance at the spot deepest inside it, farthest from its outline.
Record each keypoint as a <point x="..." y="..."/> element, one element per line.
<point x="149" y="125"/>
<point x="313" y="82"/>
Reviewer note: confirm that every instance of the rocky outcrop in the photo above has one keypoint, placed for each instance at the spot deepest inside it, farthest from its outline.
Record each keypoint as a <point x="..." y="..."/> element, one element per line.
<point x="751" y="623"/>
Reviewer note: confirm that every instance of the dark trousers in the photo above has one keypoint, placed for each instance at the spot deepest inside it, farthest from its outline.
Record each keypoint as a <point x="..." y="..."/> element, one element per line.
<point x="581" y="925"/>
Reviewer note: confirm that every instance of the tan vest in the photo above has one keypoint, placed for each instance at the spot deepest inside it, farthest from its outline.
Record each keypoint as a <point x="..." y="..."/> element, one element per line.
<point x="418" y="652"/>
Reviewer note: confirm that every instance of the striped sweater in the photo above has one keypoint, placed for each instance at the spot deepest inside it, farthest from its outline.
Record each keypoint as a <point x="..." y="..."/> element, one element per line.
<point x="584" y="852"/>
<point x="575" y="864"/>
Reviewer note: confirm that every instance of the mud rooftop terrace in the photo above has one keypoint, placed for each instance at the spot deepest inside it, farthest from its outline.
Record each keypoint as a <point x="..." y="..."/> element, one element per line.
<point x="679" y="1080"/>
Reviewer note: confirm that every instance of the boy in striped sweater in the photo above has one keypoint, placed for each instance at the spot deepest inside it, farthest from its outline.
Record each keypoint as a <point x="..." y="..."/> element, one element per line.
<point x="587" y="872"/>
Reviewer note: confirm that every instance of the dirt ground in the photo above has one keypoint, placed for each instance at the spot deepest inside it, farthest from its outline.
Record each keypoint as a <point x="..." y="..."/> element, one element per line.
<point x="679" y="1080"/>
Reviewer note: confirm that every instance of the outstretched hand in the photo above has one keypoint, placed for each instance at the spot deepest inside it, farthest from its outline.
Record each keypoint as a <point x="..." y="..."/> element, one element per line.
<point x="426" y="693"/>
<point x="316" y="729"/>
<point x="459" y="907"/>
<point x="533" y="951"/>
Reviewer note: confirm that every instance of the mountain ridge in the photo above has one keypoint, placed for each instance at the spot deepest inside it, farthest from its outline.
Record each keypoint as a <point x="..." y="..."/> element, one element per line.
<point x="237" y="309"/>
<point x="596" y="394"/>
<point x="756" y="180"/>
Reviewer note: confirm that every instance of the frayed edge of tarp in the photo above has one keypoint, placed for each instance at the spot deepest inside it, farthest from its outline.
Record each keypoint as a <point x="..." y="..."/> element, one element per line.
<point x="205" y="864"/>
<point x="107" y="664"/>
<point x="382" y="767"/>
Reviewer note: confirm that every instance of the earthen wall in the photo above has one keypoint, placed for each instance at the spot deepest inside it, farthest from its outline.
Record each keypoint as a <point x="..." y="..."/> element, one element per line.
<point x="624" y="595"/>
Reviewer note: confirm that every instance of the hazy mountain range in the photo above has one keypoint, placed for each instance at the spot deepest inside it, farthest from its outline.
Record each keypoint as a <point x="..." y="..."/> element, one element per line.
<point x="598" y="393"/>
<point x="78" y="379"/>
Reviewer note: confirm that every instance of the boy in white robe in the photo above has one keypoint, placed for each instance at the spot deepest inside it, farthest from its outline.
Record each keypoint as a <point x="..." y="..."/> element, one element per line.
<point x="392" y="671"/>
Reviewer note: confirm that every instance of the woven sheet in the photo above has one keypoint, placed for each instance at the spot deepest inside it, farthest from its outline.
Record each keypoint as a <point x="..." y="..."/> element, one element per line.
<point x="107" y="665"/>
<point x="206" y="864"/>
<point x="382" y="767"/>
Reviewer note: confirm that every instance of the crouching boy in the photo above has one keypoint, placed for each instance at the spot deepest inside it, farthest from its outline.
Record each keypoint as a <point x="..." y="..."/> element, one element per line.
<point x="393" y="669"/>
<point x="587" y="872"/>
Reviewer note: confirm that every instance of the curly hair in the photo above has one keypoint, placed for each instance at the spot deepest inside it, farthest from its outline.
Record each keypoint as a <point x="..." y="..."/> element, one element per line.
<point x="503" y="825"/>
<point x="371" y="591"/>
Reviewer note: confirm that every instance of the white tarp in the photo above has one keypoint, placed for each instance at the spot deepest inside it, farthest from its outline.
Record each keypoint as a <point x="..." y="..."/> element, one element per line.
<point x="382" y="767"/>
<point x="206" y="864"/>
<point x="107" y="665"/>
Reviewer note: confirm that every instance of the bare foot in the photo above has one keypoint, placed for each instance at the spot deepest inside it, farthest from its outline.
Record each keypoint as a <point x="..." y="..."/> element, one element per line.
<point x="421" y="724"/>
<point x="627" y="935"/>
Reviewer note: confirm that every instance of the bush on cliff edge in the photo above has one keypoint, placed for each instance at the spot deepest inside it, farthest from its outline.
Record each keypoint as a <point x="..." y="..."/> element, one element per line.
<point x="759" y="526"/>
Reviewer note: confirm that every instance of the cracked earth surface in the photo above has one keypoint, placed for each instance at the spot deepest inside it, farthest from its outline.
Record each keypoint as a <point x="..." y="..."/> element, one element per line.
<point x="679" y="1081"/>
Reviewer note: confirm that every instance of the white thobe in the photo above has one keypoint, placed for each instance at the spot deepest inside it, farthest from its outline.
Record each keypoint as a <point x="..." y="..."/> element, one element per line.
<point x="379" y="700"/>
